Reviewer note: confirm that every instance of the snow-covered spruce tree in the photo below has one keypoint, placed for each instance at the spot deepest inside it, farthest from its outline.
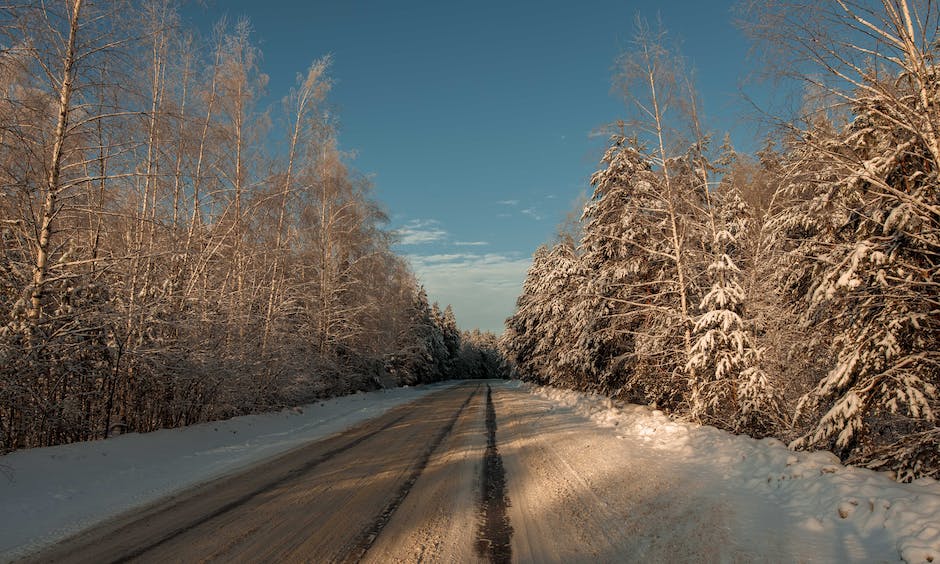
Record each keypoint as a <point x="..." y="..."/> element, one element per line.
<point x="609" y="291"/>
<point x="870" y="282"/>
<point x="790" y="356"/>
<point x="873" y="269"/>
<point x="445" y="325"/>
<point x="556" y="291"/>
<point x="519" y="340"/>
<point x="538" y="334"/>
<point x="865" y="238"/>
<point x="591" y="352"/>
<point x="728" y="386"/>
<point x="451" y="335"/>
<point x="635" y="249"/>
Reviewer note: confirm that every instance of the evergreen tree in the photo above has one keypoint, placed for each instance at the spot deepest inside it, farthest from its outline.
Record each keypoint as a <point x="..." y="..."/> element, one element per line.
<point x="520" y="341"/>
<point x="637" y="254"/>
<point x="730" y="387"/>
<point x="451" y="336"/>
<point x="867" y="240"/>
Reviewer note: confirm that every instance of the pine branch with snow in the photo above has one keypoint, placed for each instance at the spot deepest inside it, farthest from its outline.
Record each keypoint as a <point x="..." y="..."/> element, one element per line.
<point x="868" y="257"/>
<point x="728" y="385"/>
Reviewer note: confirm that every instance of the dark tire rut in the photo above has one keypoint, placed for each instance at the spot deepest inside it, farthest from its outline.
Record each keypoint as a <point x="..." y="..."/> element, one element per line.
<point x="368" y="536"/>
<point x="495" y="532"/>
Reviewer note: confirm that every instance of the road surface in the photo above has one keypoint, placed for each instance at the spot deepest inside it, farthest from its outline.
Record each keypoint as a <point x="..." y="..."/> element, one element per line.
<point x="480" y="471"/>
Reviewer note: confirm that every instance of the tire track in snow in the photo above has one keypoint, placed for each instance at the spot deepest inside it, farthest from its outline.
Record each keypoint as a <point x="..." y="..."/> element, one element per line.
<point x="249" y="496"/>
<point x="495" y="532"/>
<point x="367" y="537"/>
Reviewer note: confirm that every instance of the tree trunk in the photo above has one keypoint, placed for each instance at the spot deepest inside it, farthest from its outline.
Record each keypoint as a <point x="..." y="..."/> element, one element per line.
<point x="55" y="168"/>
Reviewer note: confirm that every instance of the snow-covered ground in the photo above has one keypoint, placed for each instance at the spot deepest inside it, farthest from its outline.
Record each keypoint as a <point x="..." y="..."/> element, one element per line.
<point x="46" y="494"/>
<point x="634" y="483"/>
<point x="800" y="506"/>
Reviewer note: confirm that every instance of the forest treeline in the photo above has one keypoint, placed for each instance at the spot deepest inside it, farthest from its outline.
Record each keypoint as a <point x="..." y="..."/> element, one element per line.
<point x="172" y="252"/>
<point x="791" y="294"/>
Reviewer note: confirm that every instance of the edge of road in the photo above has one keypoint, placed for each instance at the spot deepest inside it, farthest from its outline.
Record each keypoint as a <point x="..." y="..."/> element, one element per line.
<point x="111" y="524"/>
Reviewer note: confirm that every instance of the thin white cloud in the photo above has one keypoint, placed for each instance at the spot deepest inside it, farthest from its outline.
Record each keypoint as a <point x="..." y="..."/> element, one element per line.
<point x="533" y="213"/>
<point x="481" y="287"/>
<point x="471" y="243"/>
<point x="508" y="202"/>
<point x="421" y="231"/>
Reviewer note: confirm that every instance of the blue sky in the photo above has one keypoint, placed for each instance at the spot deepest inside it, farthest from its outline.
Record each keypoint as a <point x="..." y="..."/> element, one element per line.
<point x="474" y="119"/>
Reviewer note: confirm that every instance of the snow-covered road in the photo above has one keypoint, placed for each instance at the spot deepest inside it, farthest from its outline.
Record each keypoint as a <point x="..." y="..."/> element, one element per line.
<point x="47" y="494"/>
<point x="585" y="482"/>
<point x="666" y="491"/>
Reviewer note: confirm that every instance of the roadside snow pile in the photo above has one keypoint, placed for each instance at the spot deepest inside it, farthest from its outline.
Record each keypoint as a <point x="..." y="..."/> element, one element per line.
<point x="811" y="493"/>
<point x="47" y="494"/>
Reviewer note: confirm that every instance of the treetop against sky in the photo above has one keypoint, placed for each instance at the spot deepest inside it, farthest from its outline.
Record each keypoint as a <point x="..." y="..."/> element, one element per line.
<point x="478" y="123"/>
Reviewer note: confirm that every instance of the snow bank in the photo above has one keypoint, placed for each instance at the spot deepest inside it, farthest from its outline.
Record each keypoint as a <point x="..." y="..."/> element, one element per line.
<point x="47" y="494"/>
<point x="812" y="492"/>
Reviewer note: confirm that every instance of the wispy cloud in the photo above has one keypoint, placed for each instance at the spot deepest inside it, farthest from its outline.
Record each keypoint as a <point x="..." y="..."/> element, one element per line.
<point x="421" y="231"/>
<point x="482" y="287"/>
<point x="533" y="213"/>
<point x="471" y="243"/>
<point x="508" y="202"/>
